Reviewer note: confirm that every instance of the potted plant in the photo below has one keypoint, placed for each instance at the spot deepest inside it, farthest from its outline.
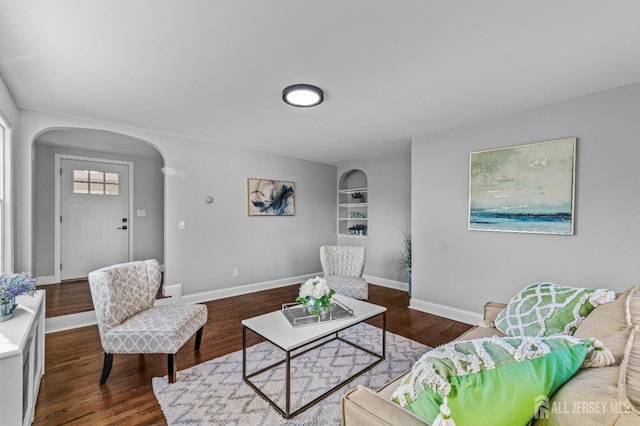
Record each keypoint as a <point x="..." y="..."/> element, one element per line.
<point x="358" y="197"/>
<point x="10" y="287"/>
<point x="405" y="256"/>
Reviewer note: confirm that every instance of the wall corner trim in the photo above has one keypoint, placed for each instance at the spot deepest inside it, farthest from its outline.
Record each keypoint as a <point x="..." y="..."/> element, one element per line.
<point x="385" y="282"/>
<point x="172" y="293"/>
<point x="47" y="279"/>
<point x="450" y="312"/>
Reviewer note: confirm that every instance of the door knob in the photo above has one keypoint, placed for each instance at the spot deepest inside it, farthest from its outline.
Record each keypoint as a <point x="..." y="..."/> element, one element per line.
<point x="122" y="227"/>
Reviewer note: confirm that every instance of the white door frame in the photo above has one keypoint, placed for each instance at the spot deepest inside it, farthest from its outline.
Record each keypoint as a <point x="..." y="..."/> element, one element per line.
<point x="57" y="210"/>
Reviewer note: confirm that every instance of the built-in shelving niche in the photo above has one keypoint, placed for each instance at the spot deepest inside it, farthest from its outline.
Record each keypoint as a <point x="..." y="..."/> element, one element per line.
<point x="353" y="204"/>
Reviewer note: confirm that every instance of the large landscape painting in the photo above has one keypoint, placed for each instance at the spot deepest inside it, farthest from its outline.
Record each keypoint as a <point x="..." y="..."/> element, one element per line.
<point x="525" y="188"/>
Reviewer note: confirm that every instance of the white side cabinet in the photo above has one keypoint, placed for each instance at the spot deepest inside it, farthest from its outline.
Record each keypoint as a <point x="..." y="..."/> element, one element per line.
<point x="22" y="360"/>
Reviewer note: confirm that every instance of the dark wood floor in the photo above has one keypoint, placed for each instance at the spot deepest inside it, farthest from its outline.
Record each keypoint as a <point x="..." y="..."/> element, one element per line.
<point x="70" y="392"/>
<point x="68" y="297"/>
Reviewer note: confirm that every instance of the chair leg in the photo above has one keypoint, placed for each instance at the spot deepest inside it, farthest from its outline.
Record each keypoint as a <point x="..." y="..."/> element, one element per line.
<point x="198" y="338"/>
<point x="106" y="367"/>
<point x="171" y="364"/>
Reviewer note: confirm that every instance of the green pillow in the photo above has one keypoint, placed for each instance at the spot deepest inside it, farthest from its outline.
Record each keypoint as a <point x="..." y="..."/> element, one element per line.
<point x="546" y="309"/>
<point x="491" y="381"/>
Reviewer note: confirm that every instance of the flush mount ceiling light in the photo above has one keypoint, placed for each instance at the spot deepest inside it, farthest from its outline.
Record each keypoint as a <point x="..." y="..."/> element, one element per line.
<point x="303" y="95"/>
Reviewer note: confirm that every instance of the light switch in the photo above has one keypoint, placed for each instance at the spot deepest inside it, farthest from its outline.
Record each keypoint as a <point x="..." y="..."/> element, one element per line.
<point x="182" y="225"/>
<point x="141" y="213"/>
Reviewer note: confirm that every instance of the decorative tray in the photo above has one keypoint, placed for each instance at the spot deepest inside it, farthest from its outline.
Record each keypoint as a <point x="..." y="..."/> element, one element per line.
<point x="298" y="315"/>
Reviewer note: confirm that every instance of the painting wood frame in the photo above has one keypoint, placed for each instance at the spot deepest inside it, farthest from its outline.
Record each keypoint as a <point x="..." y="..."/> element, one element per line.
<point x="524" y="188"/>
<point x="268" y="197"/>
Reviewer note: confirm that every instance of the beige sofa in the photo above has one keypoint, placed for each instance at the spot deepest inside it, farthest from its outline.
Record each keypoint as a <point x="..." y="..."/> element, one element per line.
<point x="594" y="396"/>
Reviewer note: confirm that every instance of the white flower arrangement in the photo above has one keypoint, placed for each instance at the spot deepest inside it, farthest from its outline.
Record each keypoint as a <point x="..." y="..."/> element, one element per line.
<point x="315" y="295"/>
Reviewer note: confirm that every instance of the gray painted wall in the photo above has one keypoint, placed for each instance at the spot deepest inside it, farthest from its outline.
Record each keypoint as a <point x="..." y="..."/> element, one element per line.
<point x="148" y="191"/>
<point x="219" y="236"/>
<point x="389" y="192"/>
<point x="464" y="269"/>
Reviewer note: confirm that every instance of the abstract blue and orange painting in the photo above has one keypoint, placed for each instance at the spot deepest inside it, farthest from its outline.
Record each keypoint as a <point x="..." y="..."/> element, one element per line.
<point x="271" y="197"/>
<point x="524" y="188"/>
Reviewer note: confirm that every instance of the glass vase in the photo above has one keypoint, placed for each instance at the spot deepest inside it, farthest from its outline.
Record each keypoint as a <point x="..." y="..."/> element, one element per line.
<point x="7" y="309"/>
<point x="316" y="309"/>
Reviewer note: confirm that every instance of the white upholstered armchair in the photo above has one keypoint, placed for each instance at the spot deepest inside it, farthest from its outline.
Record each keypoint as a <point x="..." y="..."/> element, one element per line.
<point x="343" y="267"/>
<point x="129" y="323"/>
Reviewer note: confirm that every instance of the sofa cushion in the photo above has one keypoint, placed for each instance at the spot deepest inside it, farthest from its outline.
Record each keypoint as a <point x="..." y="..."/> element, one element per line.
<point x="509" y="374"/>
<point x="607" y="319"/>
<point x="609" y="323"/>
<point x="546" y="309"/>
<point x="629" y="383"/>
<point x="480" y="333"/>
<point x="590" y="398"/>
<point x="364" y="407"/>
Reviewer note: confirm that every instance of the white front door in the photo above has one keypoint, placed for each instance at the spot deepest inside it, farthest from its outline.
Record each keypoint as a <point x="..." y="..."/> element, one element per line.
<point x="94" y="219"/>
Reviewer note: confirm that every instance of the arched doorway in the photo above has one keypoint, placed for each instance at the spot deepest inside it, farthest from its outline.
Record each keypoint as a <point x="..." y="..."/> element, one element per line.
<point x="143" y="220"/>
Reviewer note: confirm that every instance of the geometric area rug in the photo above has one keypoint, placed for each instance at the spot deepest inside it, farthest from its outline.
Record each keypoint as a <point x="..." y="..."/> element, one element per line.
<point x="213" y="392"/>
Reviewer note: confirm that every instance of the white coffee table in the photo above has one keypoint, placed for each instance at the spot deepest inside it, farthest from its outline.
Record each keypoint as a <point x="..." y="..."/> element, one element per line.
<point x="275" y="328"/>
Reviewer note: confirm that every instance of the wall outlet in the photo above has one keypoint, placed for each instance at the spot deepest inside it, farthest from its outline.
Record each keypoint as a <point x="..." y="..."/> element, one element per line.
<point x="182" y="225"/>
<point x="235" y="273"/>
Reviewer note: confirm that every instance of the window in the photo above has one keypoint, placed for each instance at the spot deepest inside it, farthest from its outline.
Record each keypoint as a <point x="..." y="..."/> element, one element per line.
<point x="95" y="183"/>
<point x="2" y="142"/>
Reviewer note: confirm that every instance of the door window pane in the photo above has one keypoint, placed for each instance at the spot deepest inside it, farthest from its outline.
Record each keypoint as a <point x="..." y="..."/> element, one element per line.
<point x="97" y="188"/>
<point x="111" y="178"/>
<point x="96" y="183"/>
<point x="81" y="175"/>
<point x="110" y="189"/>
<point x="96" y="176"/>
<point x="80" y="187"/>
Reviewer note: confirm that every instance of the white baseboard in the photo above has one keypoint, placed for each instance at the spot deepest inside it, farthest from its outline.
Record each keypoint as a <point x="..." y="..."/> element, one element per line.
<point x="384" y="282"/>
<point x="83" y="319"/>
<point x="48" y="279"/>
<point x="244" y="289"/>
<point x="67" y="322"/>
<point x="450" y="312"/>
<point x="172" y="293"/>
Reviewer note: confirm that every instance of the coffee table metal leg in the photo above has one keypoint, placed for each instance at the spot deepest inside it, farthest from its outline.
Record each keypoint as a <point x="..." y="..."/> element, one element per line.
<point x="288" y="387"/>
<point x="384" y="334"/>
<point x="244" y="352"/>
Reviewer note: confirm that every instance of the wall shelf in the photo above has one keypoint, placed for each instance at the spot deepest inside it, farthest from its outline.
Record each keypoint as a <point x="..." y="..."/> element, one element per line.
<point x="354" y="205"/>
<point x="352" y="190"/>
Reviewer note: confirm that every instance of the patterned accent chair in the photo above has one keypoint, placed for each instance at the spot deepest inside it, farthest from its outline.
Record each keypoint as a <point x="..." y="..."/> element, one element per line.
<point x="123" y="296"/>
<point x="343" y="267"/>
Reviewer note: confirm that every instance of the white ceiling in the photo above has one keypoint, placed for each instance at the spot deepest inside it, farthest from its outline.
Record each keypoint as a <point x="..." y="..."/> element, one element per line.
<point x="214" y="70"/>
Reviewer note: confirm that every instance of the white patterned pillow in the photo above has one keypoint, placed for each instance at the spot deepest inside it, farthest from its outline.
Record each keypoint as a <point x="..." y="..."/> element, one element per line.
<point x="546" y="309"/>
